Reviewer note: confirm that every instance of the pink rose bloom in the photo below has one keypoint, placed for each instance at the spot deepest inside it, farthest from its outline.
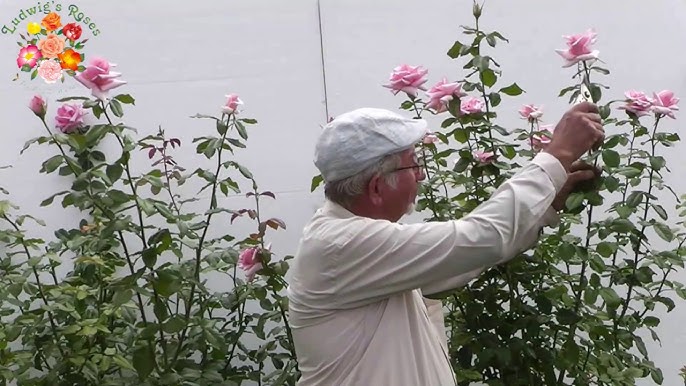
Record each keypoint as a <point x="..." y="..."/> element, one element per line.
<point x="232" y="104"/>
<point x="249" y="262"/>
<point x="38" y="106"/>
<point x="429" y="138"/>
<point x="579" y="48"/>
<point x="408" y="79"/>
<point x="471" y="106"/>
<point x="530" y="113"/>
<point x="665" y="103"/>
<point x="69" y="117"/>
<point x="540" y="141"/>
<point x="29" y="55"/>
<point x="50" y="71"/>
<point x="484" y="157"/>
<point x="99" y="79"/>
<point x="442" y="93"/>
<point x="637" y="102"/>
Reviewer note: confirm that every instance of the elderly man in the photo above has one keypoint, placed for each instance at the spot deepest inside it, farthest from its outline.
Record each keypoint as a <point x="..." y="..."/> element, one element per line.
<point x="358" y="283"/>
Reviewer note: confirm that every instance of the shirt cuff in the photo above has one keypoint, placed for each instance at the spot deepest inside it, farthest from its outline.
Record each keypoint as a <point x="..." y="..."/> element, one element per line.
<point x="552" y="167"/>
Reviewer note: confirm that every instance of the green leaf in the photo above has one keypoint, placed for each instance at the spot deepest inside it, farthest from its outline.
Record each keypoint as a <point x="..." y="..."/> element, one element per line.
<point x="495" y="99"/>
<point x="114" y="172"/>
<point x="249" y="121"/>
<point x="660" y="211"/>
<point x="574" y="200"/>
<point x="567" y="316"/>
<point x="144" y="361"/>
<point x="596" y="93"/>
<point x="122" y="297"/>
<point x="123" y="362"/>
<point x="456" y="50"/>
<point x="116" y="108"/>
<point x="651" y="321"/>
<point x="656" y="375"/>
<point x="610" y="296"/>
<point x="316" y="181"/>
<point x="657" y="162"/>
<point x="461" y="135"/>
<point x="606" y="249"/>
<point x="611" y="158"/>
<point x="241" y="130"/>
<point x="481" y="62"/>
<point x="52" y="163"/>
<point x="175" y="324"/>
<point x="149" y="257"/>
<point x="488" y="77"/>
<point x="663" y="231"/>
<point x="126" y="99"/>
<point x="512" y="90"/>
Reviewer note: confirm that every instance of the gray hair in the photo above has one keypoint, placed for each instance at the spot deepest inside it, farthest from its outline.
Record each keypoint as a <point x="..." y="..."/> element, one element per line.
<point x="344" y="191"/>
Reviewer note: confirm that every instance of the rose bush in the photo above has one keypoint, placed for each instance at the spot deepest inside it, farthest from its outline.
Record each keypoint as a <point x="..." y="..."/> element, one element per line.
<point x="576" y="308"/>
<point x="135" y="306"/>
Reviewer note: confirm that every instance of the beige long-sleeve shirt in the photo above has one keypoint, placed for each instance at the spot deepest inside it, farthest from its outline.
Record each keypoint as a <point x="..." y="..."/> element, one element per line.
<point x="357" y="285"/>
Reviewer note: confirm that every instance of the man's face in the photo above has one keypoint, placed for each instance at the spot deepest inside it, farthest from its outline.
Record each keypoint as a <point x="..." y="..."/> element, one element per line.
<point x="400" y="201"/>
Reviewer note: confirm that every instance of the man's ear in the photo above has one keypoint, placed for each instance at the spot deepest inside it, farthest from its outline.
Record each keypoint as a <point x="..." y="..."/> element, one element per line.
<point x="374" y="190"/>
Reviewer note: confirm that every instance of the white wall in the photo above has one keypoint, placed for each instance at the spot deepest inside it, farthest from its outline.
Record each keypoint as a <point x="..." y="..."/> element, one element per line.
<point x="182" y="57"/>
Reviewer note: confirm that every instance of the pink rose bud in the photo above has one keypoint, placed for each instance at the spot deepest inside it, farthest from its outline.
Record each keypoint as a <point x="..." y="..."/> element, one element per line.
<point x="249" y="262"/>
<point x="471" y="106"/>
<point x="665" y="103"/>
<point x="99" y="79"/>
<point x="484" y="157"/>
<point x="540" y="141"/>
<point x="69" y="118"/>
<point x="637" y="102"/>
<point x="232" y="104"/>
<point x="442" y="93"/>
<point x="579" y="48"/>
<point x="531" y="113"/>
<point x="38" y="106"/>
<point x="407" y="79"/>
<point x="429" y="138"/>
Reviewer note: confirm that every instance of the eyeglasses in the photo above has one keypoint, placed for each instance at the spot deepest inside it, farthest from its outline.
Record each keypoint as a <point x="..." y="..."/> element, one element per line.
<point x="418" y="166"/>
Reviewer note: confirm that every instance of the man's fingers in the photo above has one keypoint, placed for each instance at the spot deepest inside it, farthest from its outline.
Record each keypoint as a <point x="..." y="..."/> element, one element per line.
<point x="581" y="175"/>
<point x="594" y="117"/>
<point x="586" y="107"/>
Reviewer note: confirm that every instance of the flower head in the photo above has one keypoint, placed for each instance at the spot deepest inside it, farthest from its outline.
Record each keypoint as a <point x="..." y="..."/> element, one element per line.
<point x="33" y="28"/>
<point x="232" y="104"/>
<point x="665" y="103"/>
<point x="579" y="48"/>
<point x="408" y="79"/>
<point x="69" y="59"/>
<point x="69" y="117"/>
<point x="72" y="31"/>
<point x="98" y="77"/>
<point x="38" y="106"/>
<point x="484" y="157"/>
<point x="442" y="93"/>
<point x="531" y="113"/>
<point x="51" y="21"/>
<point x="51" y="46"/>
<point x="637" y="102"/>
<point x="50" y="71"/>
<point x="249" y="262"/>
<point x="471" y="106"/>
<point x="28" y="55"/>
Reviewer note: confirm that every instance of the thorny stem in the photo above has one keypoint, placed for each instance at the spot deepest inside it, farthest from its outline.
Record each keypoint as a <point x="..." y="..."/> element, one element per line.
<point x="201" y="241"/>
<point x="637" y="248"/>
<point x="53" y="325"/>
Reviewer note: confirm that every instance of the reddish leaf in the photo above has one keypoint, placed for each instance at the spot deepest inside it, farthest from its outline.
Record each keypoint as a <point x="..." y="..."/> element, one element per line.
<point x="151" y="153"/>
<point x="270" y="194"/>
<point x="252" y="214"/>
<point x="177" y="141"/>
<point x="249" y="194"/>
<point x="254" y="236"/>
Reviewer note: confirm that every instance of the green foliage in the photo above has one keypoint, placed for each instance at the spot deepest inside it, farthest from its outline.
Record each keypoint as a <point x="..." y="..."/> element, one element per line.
<point x="136" y="308"/>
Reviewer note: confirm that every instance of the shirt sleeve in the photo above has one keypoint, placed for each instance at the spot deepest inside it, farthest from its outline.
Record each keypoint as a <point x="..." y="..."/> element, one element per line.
<point x="380" y="258"/>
